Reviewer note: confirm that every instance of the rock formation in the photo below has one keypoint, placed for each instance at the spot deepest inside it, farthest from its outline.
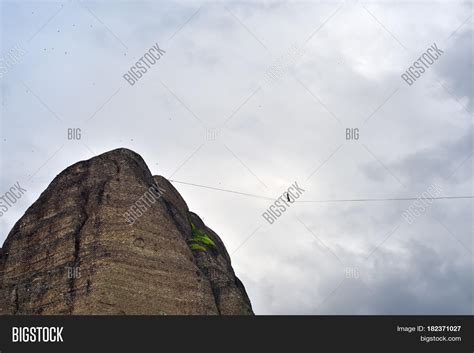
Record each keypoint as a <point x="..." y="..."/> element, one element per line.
<point x="96" y="242"/>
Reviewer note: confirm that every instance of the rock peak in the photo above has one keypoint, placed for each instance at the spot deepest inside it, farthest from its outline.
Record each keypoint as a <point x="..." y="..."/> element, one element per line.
<point x="107" y="237"/>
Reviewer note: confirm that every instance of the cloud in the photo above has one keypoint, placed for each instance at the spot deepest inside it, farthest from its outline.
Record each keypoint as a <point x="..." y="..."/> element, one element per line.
<point x="213" y="70"/>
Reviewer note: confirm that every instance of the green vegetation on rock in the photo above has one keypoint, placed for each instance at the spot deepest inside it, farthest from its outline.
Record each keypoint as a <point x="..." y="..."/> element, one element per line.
<point x="200" y="240"/>
<point x="197" y="247"/>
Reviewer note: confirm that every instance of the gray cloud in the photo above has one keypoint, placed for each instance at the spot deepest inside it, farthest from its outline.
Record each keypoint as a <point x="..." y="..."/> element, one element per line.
<point x="214" y="68"/>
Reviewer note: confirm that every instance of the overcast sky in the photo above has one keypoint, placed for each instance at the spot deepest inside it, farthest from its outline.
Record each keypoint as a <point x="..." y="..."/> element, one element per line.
<point x="339" y="67"/>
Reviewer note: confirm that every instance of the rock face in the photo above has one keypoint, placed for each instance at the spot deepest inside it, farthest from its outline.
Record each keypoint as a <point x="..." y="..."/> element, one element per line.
<point x="84" y="248"/>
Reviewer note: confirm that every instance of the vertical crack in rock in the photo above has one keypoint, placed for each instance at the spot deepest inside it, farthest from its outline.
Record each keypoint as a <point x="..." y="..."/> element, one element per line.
<point x="17" y="302"/>
<point x="77" y="249"/>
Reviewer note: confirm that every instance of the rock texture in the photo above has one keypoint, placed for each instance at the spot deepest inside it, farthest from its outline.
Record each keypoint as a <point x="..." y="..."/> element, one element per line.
<point x="73" y="251"/>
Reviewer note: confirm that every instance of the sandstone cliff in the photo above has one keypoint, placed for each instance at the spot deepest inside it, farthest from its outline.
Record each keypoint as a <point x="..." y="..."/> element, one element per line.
<point x="79" y="249"/>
